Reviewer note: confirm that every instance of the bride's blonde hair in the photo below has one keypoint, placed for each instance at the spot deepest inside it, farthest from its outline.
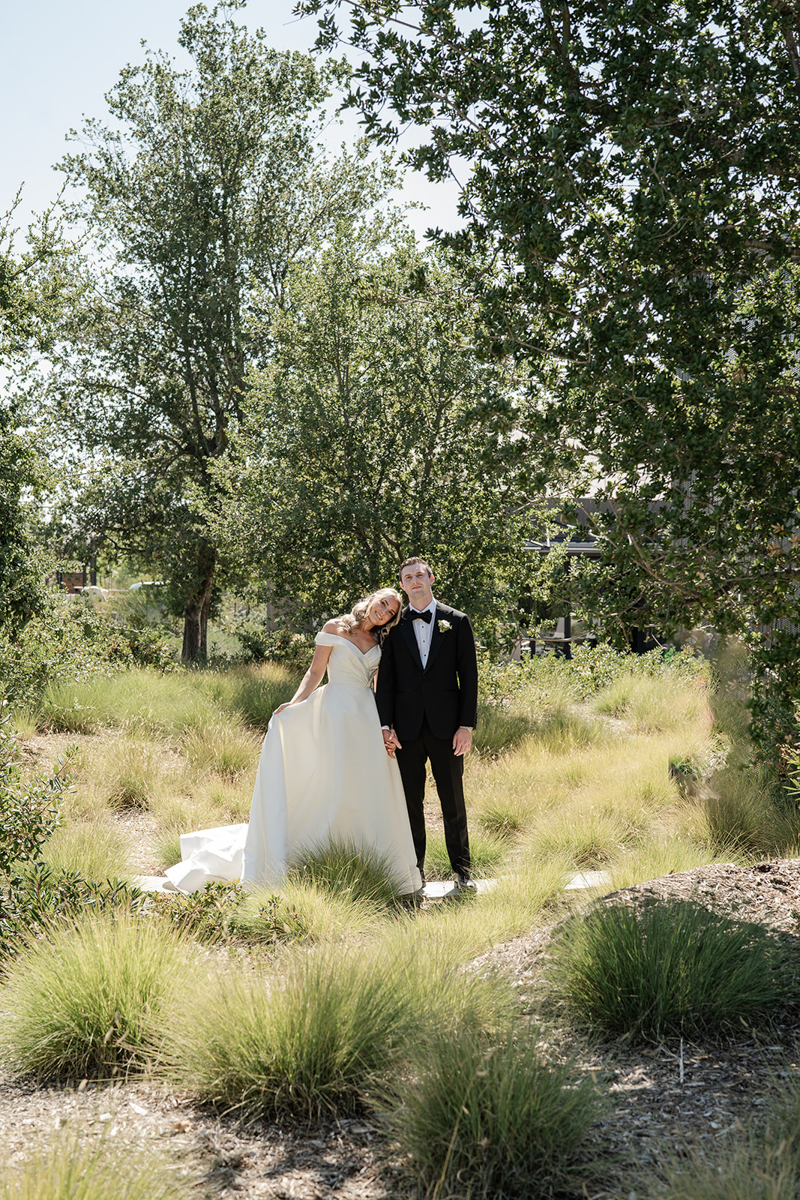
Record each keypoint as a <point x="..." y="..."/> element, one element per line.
<point x="355" y="618"/>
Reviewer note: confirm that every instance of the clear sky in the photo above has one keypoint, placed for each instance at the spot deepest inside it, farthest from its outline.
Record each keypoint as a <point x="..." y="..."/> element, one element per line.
<point x="59" y="57"/>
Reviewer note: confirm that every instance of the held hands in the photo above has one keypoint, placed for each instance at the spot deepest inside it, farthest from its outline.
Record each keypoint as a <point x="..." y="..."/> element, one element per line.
<point x="391" y="742"/>
<point x="462" y="741"/>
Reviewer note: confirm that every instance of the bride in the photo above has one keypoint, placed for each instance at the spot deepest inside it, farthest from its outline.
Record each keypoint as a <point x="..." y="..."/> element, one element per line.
<point x="324" y="773"/>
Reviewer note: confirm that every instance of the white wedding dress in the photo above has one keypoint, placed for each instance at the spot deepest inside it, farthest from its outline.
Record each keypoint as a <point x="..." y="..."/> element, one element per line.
<point x="324" y="775"/>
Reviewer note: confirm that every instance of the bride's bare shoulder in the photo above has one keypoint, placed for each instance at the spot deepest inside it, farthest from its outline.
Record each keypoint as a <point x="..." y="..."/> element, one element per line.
<point x="334" y="626"/>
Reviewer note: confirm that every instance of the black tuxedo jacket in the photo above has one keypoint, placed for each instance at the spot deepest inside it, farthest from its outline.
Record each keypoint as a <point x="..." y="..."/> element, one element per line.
<point x="446" y="692"/>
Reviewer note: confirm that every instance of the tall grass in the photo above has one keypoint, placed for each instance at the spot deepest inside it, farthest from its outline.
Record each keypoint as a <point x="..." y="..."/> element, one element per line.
<point x="654" y="705"/>
<point x="662" y="855"/>
<point x="309" y="1043"/>
<point x="488" y="1118"/>
<point x="166" y="704"/>
<point x="179" y="813"/>
<point x="741" y="813"/>
<point x="325" y="916"/>
<point x="487" y="852"/>
<point x="71" y="1168"/>
<point x="328" y="1035"/>
<point x="97" y="850"/>
<point x="133" y="774"/>
<point x="255" y="692"/>
<point x="89" y="999"/>
<point x="221" y="746"/>
<point x="350" y="871"/>
<point x="671" y="968"/>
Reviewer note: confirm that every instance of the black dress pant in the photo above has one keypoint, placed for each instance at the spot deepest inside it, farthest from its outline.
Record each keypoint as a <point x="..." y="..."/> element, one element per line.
<point x="448" y="771"/>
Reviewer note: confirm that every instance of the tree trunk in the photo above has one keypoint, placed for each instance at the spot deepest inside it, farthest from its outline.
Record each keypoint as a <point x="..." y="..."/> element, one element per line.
<point x="197" y="608"/>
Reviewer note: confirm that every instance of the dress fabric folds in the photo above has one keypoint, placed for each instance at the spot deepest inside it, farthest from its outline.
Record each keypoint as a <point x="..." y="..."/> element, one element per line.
<point x="324" y="775"/>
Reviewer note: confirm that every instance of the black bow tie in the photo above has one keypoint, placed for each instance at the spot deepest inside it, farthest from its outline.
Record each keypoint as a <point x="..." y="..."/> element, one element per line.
<point x="421" y="616"/>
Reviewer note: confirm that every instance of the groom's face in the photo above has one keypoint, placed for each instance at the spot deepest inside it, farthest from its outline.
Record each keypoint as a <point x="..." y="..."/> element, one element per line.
<point x="416" y="582"/>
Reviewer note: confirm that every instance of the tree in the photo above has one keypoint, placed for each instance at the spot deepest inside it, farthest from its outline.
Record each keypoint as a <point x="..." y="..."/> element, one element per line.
<point x="29" y="298"/>
<point x="375" y="434"/>
<point x="633" y="176"/>
<point x="209" y="180"/>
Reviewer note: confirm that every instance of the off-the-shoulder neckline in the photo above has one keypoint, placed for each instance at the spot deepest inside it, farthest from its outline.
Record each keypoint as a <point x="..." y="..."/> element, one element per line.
<point x="348" y="642"/>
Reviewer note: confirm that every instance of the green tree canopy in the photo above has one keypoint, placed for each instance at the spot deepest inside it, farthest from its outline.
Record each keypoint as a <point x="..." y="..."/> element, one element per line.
<point x="374" y="434"/>
<point x="208" y="181"/>
<point x="632" y="174"/>
<point x="30" y="290"/>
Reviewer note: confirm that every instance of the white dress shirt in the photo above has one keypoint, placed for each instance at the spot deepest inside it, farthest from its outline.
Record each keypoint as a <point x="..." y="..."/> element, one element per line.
<point x="423" y="631"/>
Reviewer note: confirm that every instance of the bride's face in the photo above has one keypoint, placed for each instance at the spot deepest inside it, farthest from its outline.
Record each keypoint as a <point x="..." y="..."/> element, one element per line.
<point x="382" y="608"/>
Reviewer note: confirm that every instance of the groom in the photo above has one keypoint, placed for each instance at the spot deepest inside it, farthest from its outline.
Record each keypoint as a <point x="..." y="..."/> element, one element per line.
<point x="427" y="696"/>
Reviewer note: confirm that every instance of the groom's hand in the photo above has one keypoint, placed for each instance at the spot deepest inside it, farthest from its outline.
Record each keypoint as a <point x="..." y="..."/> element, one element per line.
<point x="462" y="741"/>
<point x="391" y="742"/>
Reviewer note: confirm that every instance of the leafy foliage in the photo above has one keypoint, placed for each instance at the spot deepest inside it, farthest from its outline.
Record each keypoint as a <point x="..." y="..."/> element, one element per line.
<point x="373" y="434"/>
<point x="72" y="639"/>
<point x="29" y="813"/>
<point x="218" y="913"/>
<point x="633" y="183"/>
<point x="209" y="180"/>
<point x="32" y="894"/>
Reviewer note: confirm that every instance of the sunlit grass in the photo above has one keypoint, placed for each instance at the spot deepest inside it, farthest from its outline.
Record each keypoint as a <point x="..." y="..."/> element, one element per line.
<point x="77" y="1166"/>
<point x="221" y="746"/>
<point x="90" y="998"/>
<point x="656" y="704"/>
<point x="97" y="850"/>
<point x="487" y="851"/>
<point x="326" y="1034"/>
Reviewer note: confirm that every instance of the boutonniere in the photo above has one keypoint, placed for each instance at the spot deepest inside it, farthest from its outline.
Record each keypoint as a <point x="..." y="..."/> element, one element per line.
<point x="443" y="626"/>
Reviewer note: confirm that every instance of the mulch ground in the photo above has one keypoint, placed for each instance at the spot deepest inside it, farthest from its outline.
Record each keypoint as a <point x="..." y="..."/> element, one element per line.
<point x="660" y="1099"/>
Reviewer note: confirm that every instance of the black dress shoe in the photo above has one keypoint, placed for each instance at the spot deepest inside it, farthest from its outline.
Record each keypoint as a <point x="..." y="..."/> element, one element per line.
<point x="464" y="883"/>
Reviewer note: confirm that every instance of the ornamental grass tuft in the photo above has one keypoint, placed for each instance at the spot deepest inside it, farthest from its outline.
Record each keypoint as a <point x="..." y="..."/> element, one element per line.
<point x="331" y="1034"/>
<point x="671" y="968"/>
<point x="349" y="871"/>
<point x="489" y="1117"/>
<point x="88" y="1000"/>
<point x="74" y="1169"/>
<point x="308" y="1044"/>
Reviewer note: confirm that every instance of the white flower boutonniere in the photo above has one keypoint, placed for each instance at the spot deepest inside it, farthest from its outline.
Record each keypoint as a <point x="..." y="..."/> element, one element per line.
<point x="444" y="626"/>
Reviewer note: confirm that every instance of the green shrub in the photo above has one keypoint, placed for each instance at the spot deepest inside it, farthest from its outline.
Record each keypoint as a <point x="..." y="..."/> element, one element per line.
<point x="221" y="911"/>
<point x="350" y="871"/>
<point x="89" y="999"/>
<point x="29" y="812"/>
<point x="488" y="1118"/>
<point x="671" y="967"/>
<point x="71" y="1169"/>
<point x="293" y="650"/>
<point x="73" y="640"/>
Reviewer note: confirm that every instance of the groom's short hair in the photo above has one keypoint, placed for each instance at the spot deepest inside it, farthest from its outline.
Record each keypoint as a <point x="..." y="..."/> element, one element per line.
<point x="413" y="562"/>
